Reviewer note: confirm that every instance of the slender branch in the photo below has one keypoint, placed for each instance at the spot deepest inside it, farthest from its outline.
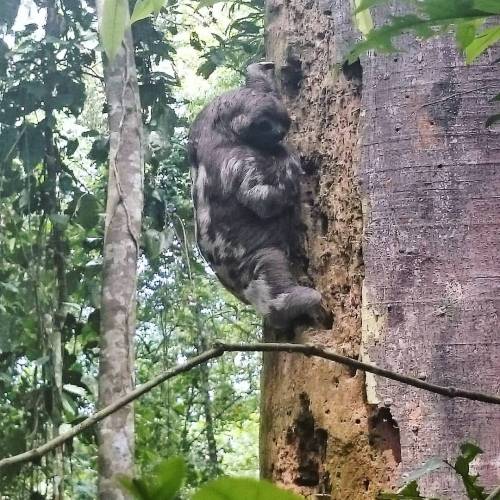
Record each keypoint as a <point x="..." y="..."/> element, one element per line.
<point x="451" y="96"/>
<point x="217" y="351"/>
<point x="494" y="495"/>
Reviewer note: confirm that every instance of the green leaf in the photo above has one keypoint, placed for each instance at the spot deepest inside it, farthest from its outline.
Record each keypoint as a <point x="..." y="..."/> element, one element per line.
<point x="482" y="41"/>
<point x="363" y="19"/>
<point x="135" y="487"/>
<point x="194" y="41"/>
<point x="59" y="220"/>
<point x="69" y="407"/>
<point x="208" y="3"/>
<point x="87" y="212"/>
<point x="156" y="242"/>
<point x="492" y="120"/>
<point x="170" y="475"/>
<point x="75" y="389"/>
<point x="71" y="146"/>
<point x="206" y="69"/>
<point x="381" y="39"/>
<point x="466" y="32"/>
<point x="230" y="488"/>
<point x="143" y="8"/>
<point x="367" y="4"/>
<point x="490" y="6"/>
<point x="430" y="465"/>
<point x="32" y="146"/>
<point x="115" y="19"/>
<point x="469" y="452"/>
<point x="408" y="492"/>
<point x="433" y="17"/>
<point x="9" y="287"/>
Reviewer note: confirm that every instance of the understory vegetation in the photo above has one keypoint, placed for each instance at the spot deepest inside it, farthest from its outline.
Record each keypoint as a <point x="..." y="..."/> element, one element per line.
<point x="53" y="174"/>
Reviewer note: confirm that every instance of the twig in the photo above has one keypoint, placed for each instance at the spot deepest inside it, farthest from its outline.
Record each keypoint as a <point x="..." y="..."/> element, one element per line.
<point x="217" y="351"/>
<point x="451" y="96"/>
<point x="494" y="495"/>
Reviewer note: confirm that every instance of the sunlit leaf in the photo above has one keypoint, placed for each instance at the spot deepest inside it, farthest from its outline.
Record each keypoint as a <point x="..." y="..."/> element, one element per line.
<point x="74" y="389"/>
<point x="209" y="3"/>
<point x="144" y="8"/>
<point x="363" y="19"/>
<point x="466" y="32"/>
<point x="112" y="26"/>
<point x="230" y="488"/>
<point x="367" y="4"/>
<point x="69" y="407"/>
<point x="483" y="41"/>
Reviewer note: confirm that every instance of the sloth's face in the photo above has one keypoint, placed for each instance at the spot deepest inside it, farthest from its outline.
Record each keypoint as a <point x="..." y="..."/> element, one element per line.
<point x="264" y="126"/>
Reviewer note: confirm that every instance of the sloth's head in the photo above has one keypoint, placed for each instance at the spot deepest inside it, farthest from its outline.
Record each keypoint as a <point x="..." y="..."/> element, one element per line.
<point x="260" y="118"/>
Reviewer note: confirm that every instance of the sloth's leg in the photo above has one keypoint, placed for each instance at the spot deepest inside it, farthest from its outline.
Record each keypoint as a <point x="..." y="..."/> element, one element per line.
<point x="275" y="294"/>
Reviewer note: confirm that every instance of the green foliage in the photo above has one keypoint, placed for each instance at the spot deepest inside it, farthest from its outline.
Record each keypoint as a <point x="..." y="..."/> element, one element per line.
<point x="144" y="8"/>
<point x="114" y="22"/>
<point x="461" y="467"/>
<point x="432" y="17"/>
<point x="53" y="169"/>
<point x="166" y="481"/>
<point x="163" y="484"/>
<point x="242" y="41"/>
<point x="231" y="488"/>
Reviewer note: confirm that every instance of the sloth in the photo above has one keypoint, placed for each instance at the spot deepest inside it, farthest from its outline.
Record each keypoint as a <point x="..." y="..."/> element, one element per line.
<point x="246" y="196"/>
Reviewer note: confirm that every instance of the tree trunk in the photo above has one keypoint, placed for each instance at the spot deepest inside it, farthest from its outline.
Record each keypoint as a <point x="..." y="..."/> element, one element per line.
<point x="325" y="429"/>
<point x="121" y="247"/>
<point x="430" y="174"/>
<point x="54" y="320"/>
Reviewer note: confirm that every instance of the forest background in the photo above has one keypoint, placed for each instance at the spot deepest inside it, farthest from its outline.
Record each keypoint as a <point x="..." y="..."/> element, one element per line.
<point x="53" y="154"/>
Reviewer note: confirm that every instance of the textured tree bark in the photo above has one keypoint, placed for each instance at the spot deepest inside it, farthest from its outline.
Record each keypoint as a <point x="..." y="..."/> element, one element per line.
<point x="318" y="434"/>
<point x="426" y="244"/>
<point x="430" y="186"/>
<point x="121" y="246"/>
<point x="54" y="322"/>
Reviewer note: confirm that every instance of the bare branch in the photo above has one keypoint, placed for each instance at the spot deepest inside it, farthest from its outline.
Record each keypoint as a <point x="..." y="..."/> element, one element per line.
<point x="217" y="351"/>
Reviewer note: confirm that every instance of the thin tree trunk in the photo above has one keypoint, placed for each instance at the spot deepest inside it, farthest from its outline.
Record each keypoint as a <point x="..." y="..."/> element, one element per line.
<point x="121" y="248"/>
<point x="54" y="321"/>
<point x="204" y="388"/>
<point x="431" y="182"/>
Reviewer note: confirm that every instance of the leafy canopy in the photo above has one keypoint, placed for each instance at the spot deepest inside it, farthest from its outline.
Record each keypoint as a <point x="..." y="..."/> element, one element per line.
<point x="465" y="17"/>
